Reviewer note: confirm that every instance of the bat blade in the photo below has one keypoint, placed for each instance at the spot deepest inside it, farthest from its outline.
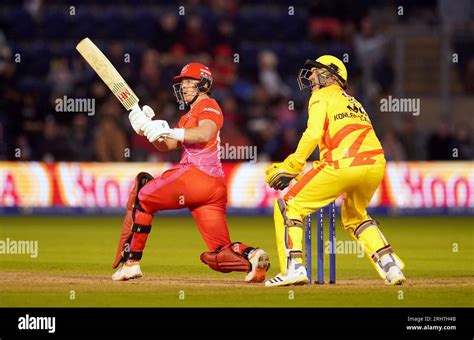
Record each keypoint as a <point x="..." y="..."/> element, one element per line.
<point x="107" y="72"/>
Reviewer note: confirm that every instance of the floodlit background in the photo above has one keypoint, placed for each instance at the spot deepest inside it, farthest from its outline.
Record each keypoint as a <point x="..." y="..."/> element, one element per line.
<point x="403" y="49"/>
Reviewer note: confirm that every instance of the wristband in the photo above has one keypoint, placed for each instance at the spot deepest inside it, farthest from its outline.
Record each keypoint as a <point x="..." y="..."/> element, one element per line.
<point x="177" y="134"/>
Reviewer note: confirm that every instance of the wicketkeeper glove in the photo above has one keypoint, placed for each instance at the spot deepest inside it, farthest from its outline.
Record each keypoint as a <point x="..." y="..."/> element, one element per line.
<point x="279" y="175"/>
<point x="139" y="117"/>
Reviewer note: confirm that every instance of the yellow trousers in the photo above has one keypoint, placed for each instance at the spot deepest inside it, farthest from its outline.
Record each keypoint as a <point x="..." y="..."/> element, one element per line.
<point x="319" y="187"/>
<point x="323" y="184"/>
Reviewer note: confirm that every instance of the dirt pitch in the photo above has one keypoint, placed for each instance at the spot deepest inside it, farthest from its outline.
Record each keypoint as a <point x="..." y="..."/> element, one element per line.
<point x="72" y="268"/>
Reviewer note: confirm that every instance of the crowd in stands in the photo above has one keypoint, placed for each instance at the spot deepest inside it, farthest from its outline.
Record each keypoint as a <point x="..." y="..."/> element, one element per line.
<point x="254" y="52"/>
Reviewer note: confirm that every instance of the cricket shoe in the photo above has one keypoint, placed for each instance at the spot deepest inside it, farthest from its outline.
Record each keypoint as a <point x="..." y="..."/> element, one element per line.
<point x="260" y="262"/>
<point x="394" y="276"/>
<point x="129" y="270"/>
<point x="294" y="277"/>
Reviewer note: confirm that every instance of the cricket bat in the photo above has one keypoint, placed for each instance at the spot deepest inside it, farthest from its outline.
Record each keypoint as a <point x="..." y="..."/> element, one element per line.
<point x="109" y="75"/>
<point x="107" y="72"/>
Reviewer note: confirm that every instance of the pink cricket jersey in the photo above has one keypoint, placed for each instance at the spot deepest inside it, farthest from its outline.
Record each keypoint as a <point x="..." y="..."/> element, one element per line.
<point x="204" y="156"/>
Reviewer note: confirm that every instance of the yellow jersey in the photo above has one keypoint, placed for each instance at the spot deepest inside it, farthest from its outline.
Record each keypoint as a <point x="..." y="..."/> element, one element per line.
<point x="339" y="125"/>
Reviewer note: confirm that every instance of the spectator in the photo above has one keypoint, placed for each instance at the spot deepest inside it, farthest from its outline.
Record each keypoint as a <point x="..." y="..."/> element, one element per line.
<point x="142" y="150"/>
<point x="110" y="141"/>
<point x="195" y="36"/>
<point x="233" y="137"/>
<point x="225" y="34"/>
<point x="392" y="147"/>
<point x="225" y="7"/>
<point x="289" y="139"/>
<point x="51" y="146"/>
<point x="322" y="29"/>
<point x="410" y="139"/>
<point x="3" y="141"/>
<point x="254" y="97"/>
<point x="150" y="79"/>
<point x="168" y="33"/>
<point x="268" y="148"/>
<point x="80" y="140"/>
<point x="257" y="118"/>
<point x="469" y="78"/>
<point x="463" y="142"/>
<point x="119" y="57"/>
<point x="223" y="68"/>
<point x="172" y="62"/>
<point x="285" y="116"/>
<point x="269" y="77"/>
<point x="60" y="79"/>
<point x="22" y="149"/>
<point x="441" y="143"/>
<point x="369" y="47"/>
<point x="229" y="107"/>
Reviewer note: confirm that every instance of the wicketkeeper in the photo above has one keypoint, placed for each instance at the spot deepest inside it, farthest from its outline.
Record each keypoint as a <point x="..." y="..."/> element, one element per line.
<point x="351" y="162"/>
<point x="197" y="183"/>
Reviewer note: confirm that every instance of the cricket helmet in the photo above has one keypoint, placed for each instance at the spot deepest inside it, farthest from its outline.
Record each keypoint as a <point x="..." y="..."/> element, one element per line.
<point x="332" y="65"/>
<point x="193" y="71"/>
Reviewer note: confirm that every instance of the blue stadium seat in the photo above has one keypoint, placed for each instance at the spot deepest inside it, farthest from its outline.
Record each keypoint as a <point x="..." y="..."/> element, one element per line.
<point x="55" y="24"/>
<point x="142" y="25"/>
<point x="292" y="27"/>
<point x="39" y="58"/>
<point x="248" y="56"/>
<point x="264" y="24"/>
<point x="22" y="25"/>
<point x="135" y="51"/>
<point x="112" y="24"/>
<point x="68" y="49"/>
<point x="83" y="23"/>
<point x="308" y="50"/>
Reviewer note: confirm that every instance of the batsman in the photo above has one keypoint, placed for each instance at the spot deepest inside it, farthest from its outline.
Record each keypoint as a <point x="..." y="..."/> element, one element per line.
<point x="351" y="163"/>
<point x="197" y="183"/>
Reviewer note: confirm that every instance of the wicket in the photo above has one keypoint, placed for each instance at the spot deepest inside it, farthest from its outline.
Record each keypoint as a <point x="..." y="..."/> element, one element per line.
<point x="331" y="209"/>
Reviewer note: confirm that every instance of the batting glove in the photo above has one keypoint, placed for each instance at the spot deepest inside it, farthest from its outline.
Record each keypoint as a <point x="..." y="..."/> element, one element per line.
<point x="156" y="130"/>
<point x="139" y="117"/>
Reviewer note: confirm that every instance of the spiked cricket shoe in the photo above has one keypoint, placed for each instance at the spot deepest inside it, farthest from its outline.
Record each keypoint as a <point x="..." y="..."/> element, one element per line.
<point x="294" y="277"/>
<point x="129" y="270"/>
<point x="260" y="264"/>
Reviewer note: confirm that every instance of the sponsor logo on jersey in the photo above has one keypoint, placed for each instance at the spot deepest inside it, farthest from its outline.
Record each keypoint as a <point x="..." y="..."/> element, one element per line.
<point x="212" y="110"/>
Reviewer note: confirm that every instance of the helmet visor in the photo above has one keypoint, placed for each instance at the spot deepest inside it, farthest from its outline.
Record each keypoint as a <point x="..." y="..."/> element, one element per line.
<point x="178" y="93"/>
<point x="303" y="79"/>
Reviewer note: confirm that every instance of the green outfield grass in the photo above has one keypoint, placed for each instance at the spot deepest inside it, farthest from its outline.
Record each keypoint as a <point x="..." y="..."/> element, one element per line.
<point x="73" y="266"/>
